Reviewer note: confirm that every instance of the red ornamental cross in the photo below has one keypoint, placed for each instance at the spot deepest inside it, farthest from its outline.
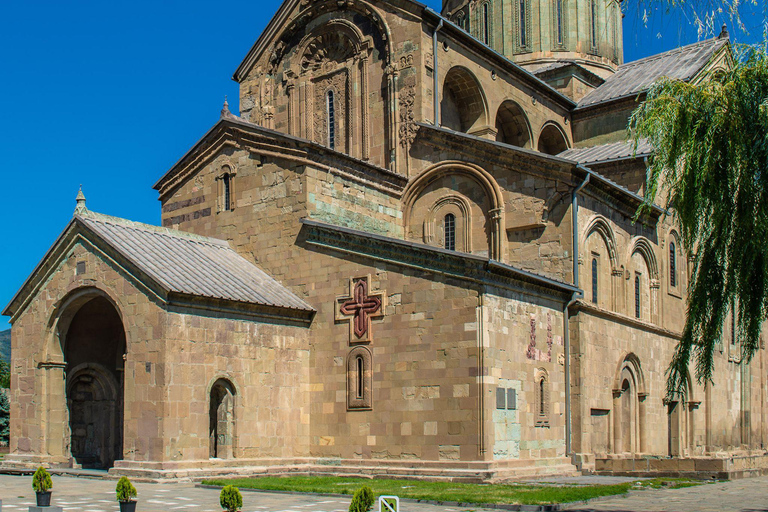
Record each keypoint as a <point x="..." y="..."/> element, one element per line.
<point x="361" y="306"/>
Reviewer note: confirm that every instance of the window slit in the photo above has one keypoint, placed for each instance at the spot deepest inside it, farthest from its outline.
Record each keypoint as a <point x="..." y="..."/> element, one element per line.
<point x="672" y="265"/>
<point x="486" y="28"/>
<point x="449" y="227"/>
<point x="523" y="27"/>
<point x="594" y="280"/>
<point x="360" y="374"/>
<point x="637" y="296"/>
<point x="331" y="120"/>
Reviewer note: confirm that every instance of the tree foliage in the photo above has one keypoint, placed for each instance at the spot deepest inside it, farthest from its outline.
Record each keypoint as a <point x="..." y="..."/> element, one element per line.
<point x="5" y="375"/>
<point x="711" y="161"/>
<point x="5" y="419"/>
<point x="362" y="500"/>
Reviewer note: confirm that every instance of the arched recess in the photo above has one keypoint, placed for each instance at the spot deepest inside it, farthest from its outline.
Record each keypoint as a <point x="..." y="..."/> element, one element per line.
<point x="599" y="253"/>
<point x="93" y="344"/>
<point x="681" y="424"/>
<point x="463" y="105"/>
<point x="512" y="125"/>
<point x="542" y="403"/>
<point x="552" y="139"/>
<point x="643" y="280"/>
<point x="484" y="188"/>
<point x="360" y="379"/>
<point x="222" y="433"/>
<point x="629" y="395"/>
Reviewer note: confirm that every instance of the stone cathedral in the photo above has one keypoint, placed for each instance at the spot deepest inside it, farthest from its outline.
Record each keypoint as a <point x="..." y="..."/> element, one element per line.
<point x="413" y="253"/>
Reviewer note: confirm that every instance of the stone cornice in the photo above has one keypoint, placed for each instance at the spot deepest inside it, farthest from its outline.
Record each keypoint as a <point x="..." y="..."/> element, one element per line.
<point x="619" y="318"/>
<point x="465" y="267"/>
<point x="241" y="134"/>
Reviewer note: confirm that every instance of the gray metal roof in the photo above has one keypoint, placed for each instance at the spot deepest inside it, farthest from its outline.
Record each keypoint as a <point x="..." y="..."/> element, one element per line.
<point x="189" y="264"/>
<point x="635" y="77"/>
<point x="608" y="152"/>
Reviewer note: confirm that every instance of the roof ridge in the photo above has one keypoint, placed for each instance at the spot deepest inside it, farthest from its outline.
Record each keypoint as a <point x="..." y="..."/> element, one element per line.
<point x="159" y="230"/>
<point x="667" y="53"/>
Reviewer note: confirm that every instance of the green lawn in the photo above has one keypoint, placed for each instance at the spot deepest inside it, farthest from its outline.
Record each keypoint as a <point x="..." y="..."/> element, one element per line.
<point x="523" y="494"/>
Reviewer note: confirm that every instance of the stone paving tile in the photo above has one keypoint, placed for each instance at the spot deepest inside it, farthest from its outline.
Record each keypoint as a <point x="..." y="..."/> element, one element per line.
<point x="86" y="495"/>
<point x="748" y="495"/>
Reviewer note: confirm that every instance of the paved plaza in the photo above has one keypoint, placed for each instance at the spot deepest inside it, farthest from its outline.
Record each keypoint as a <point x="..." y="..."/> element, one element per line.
<point x="89" y="495"/>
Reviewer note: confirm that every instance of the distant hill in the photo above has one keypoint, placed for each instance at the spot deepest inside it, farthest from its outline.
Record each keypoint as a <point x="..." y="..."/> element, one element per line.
<point x="5" y="345"/>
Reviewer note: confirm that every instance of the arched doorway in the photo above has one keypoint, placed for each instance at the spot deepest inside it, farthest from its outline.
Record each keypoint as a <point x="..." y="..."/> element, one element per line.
<point x="629" y="408"/>
<point x="222" y="420"/>
<point x="94" y="349"/>
<point x="512" y="125"/>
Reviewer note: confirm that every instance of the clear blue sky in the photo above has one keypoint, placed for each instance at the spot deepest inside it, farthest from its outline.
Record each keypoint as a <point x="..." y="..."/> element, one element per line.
<point x="111" y="94"/>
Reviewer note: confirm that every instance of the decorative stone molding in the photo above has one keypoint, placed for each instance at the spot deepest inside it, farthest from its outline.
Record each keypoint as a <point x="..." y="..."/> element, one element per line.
<point x="359" y="308"/>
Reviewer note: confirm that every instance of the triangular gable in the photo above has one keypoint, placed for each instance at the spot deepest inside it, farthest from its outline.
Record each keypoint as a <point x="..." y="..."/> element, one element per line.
<point x="166" y="264"/>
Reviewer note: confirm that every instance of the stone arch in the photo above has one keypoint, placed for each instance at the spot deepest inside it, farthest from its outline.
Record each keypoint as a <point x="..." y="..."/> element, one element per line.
<point x="643" y="288"/>
<point x="463" y="106"/>
<point x="512" y="125"/>
<point x="487" y="184"/>
<point x="629" y="394"/>
<point x="606" y="267"/>
<point x="552" y="139"/>
<point x="460" y="208"/>
<point x="221" y="419"/>
<point x="93" y="344"/>
<point x="337" y="41"/>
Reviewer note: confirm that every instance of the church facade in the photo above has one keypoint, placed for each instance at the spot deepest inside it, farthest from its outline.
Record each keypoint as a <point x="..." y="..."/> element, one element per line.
<point x="413" y="253"/>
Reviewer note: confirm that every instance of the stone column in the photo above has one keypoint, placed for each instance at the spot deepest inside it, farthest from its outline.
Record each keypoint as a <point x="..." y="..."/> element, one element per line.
<point x="55" y="415"/>
<point x="392" y="97"/>
<point x="364" y="109"/>
<point x="641" y="397"/>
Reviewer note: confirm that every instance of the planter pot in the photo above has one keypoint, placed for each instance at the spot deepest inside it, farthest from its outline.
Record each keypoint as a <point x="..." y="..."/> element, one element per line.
<point x="127" y="506"/>
<point x="43" y="499"/>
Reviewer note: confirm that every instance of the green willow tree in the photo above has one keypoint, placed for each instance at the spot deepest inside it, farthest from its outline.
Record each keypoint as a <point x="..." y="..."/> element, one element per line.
<point x="711" y="168"/>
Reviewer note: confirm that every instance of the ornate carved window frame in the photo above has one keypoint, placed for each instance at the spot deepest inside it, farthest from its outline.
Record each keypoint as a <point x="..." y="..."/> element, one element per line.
<point x="559" y="25"/>
<point x="359" y="399"/>
<point x="434" y="228"/>
<point x="522" y="44"/>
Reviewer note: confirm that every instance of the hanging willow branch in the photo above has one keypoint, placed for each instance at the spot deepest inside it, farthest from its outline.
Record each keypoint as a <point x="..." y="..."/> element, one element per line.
<point x="710" y="166"/>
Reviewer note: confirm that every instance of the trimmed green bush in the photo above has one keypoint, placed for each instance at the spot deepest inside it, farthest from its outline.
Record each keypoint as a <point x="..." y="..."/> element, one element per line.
<point x="362" y="501"/>
<point x="5" y="418"/>
<point x="125" y="490"/>
<point x="230" y="498"/>
<point x="41" y="480"/>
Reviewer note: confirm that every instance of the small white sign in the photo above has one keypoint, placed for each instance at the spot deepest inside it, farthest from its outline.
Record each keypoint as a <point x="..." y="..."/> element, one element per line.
<point x="389" y="504"/>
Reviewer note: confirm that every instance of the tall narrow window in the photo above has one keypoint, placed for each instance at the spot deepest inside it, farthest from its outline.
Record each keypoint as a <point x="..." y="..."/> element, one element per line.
<point x="523" y="25"/>
<point x="559" y="22"/>
<point x="360" y="374"/>
<point x="593" y="17"/>
<point x="672" y="265"/>
<point x="542" y="399"/>
<point x="449" y="226"/>
<point x="227" y="182"/>
<point x="733" y="325"/>
<point x="331" y="121"/>
<point x="486" y="25"/>
<point x="637" y="295"/>
<point x="594" y="280"/>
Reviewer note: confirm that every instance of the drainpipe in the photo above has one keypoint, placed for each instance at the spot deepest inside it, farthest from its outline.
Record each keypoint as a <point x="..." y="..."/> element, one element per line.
<point x="566" y="316"/>
<point x="434" y="72"/>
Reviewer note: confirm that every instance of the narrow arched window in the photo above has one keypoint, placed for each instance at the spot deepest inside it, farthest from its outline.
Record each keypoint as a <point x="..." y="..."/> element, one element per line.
<point x="733" y="325"/>
<point x="486" y="25"/>
<point x="523" y="24"/>
<point x="360" y="376"/>
<point x="637" y="295"/>
<point x="227" y="182"/>
<point x="593" y="17"/>
<point x="672" y="265"/>
<point x="331" y="116"/>
<point x="449" y="227"/>
<point x="594" y="280"/>
<point x="542" y="399"/>
<point x="559" y="22"/>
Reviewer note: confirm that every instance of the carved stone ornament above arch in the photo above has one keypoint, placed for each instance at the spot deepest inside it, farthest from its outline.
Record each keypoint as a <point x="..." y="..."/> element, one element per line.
<point x="643" y="246"/>
<point x="600" y="225"/>
<point x="631" y="363"/>
<point x="336" y="43"/>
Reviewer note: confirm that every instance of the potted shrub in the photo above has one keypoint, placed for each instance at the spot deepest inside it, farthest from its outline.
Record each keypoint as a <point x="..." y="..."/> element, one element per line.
<point x="125" y="491"/>
<point x="362" y="501"/>
<point x="230" y="498"/>
<point x="41" y="483"/>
